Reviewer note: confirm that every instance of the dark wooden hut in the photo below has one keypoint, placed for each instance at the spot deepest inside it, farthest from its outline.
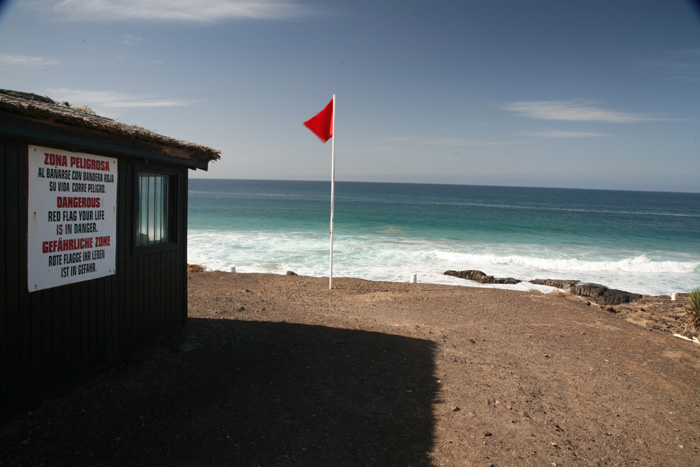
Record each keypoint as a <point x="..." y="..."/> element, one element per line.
<point x="93" y="243"/>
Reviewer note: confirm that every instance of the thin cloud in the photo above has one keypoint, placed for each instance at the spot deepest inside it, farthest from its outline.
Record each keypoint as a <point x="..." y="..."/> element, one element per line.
<point x="193" y="11"/>
<point x="579" y="111"/>
<point x="563" y="134"/>
<point x="129" y="39"/>
<point x="112" y="99"/>
<point x="24" y="61"/>
<point x="455" y="142"/>
<point x="681" y="65"/>
<point x="429" y="141"/>
<point x="134" y="58"/>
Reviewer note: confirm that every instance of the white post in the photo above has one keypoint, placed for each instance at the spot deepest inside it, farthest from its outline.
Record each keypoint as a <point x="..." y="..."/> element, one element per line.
<point x="330" y="276"/>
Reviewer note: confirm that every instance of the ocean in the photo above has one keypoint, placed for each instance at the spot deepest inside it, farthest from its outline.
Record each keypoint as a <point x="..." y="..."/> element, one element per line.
<point x="643" y="242"/>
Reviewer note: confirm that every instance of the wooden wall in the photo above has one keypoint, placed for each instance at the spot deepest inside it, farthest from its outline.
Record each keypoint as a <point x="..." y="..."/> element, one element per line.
<point x="52" y="338"/>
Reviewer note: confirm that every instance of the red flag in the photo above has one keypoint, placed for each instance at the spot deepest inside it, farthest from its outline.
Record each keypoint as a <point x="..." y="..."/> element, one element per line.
<point x="322" y="123"/>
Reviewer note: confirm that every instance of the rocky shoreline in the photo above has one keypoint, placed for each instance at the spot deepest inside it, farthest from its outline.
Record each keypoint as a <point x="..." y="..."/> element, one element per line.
<point x="661" y="313"/>
<point x="600" y="294"/>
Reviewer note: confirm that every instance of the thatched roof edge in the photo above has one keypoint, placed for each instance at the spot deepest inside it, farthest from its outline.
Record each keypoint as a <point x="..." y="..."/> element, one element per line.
<point x="49" y="112"/>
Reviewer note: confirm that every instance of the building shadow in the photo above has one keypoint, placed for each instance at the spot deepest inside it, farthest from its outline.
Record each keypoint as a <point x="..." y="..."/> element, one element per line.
<point x="241" y="393"/>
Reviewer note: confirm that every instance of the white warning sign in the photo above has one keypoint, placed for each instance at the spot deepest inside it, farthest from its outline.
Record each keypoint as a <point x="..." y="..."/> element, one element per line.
<point x="72" y="215"/>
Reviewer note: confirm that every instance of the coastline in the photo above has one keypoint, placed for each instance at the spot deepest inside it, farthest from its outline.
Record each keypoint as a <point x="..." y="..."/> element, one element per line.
<point x="641" y="244"/>
<point x="658" y="313"/>
<point x="279" y="370"/>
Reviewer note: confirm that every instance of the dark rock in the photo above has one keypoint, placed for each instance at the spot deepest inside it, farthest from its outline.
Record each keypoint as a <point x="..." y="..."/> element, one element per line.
<point x="603" y="295"/>
<point x="291" y="273"/>
<point x="589" y="289"/>
<point x="481" y="277"/>
<point x="596" y="292"/>
<point x="559" y="284"/>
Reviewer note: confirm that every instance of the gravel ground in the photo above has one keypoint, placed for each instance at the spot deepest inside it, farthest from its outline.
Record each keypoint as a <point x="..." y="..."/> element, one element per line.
<point x="278" y="370"/>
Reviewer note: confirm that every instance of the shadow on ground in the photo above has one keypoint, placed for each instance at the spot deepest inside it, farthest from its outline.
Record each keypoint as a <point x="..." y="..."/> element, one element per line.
<point x="226" y="392"/>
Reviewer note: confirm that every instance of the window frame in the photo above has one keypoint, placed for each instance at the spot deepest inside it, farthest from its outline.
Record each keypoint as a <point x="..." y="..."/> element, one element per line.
<point x="171" y="199"/>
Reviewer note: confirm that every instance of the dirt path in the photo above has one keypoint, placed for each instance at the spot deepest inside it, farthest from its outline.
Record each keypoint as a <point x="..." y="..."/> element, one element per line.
<point x="277" y="370"/>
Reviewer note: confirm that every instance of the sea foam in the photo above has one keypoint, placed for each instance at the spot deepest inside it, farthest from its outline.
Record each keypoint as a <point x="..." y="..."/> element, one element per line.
<point x="396" y="259"/>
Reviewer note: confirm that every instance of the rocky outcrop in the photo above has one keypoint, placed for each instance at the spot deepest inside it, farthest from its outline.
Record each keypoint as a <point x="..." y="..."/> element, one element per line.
<point x="595" y="292"/>
<point x="481" y="277"/>
<point x="603" y="295"/>
<point x="559" y="284"/>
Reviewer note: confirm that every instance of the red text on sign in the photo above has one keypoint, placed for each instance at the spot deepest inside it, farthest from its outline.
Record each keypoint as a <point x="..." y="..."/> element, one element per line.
<point x="55" y="159"/>
<point x="89" y="164"/>
<point x="102" y="241"/>
<point x="77" y="202"/>
<point x="66" y="245"/>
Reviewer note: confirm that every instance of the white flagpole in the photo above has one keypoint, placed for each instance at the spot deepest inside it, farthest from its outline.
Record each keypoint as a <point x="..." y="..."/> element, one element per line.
<point x="330" y="276"/>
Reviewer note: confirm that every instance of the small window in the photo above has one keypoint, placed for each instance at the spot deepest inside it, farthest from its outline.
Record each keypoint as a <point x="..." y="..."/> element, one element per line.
<point x="154" y="221"/>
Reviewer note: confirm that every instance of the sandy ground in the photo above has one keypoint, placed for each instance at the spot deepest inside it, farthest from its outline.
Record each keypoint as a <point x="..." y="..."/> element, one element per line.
<point x="278" y="370"/>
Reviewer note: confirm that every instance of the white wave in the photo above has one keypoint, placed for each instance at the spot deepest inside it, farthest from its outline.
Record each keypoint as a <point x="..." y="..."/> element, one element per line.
<point x="640" y="263"/>
<point x="395" y="259"/>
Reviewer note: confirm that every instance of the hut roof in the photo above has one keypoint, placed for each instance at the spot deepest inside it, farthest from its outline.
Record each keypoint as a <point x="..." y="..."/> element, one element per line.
<point x="82" y="120"/>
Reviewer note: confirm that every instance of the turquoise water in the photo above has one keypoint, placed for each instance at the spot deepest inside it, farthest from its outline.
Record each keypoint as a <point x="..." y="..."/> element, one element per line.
<point x="644" y="242"/>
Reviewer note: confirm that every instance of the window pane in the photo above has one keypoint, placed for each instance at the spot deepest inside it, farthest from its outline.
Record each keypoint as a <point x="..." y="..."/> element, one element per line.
<point x="152" y="219"/>
<point x="152" y="208"/>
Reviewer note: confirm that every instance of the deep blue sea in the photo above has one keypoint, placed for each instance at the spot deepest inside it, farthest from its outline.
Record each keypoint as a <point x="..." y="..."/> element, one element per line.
<point x="644" y="242"/>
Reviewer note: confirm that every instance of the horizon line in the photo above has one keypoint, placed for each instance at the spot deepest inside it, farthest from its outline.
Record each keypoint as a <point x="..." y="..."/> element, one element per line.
<point x="447" y="184"/>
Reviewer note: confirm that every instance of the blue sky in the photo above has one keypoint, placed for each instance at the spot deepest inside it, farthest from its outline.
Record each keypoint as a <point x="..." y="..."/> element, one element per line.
<point x="586" y="94"/>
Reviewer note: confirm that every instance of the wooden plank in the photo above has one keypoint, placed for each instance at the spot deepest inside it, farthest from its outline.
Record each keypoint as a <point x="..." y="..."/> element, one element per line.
<point x="124" y="245"/>
<point x="144" y="292"/>
<point x="182" y="260"/>
<point x="92" y="311"/>
<point x="13" y="321"/>
<point x="34" y="349"/>
<point x="168" y="311"/>
<point x="146" y="299"/>
<point x="65" y="366"/>
<point x="123" y="300"/>
<point x="134" y="269"/>
<point x="166" y="293"/>
<point x="107" y="324"/>
<point x="49" y="306"/>
<point x="129" y="261"/>
<point x="12" y="266"/>
<point x="163" y="284"/>
<point x="118" y="289"/>
<point x="4" y="292"/>
<point x="135" y="322"/>
<point x="76" y="341"/>
<point x="84" y="305"/>
<point x="153" y="305"/>
<point x="102" y="317"/>
<point x="55" y="359"/>
<point x="169" y="314"/>
<point x="24" y="344"/>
